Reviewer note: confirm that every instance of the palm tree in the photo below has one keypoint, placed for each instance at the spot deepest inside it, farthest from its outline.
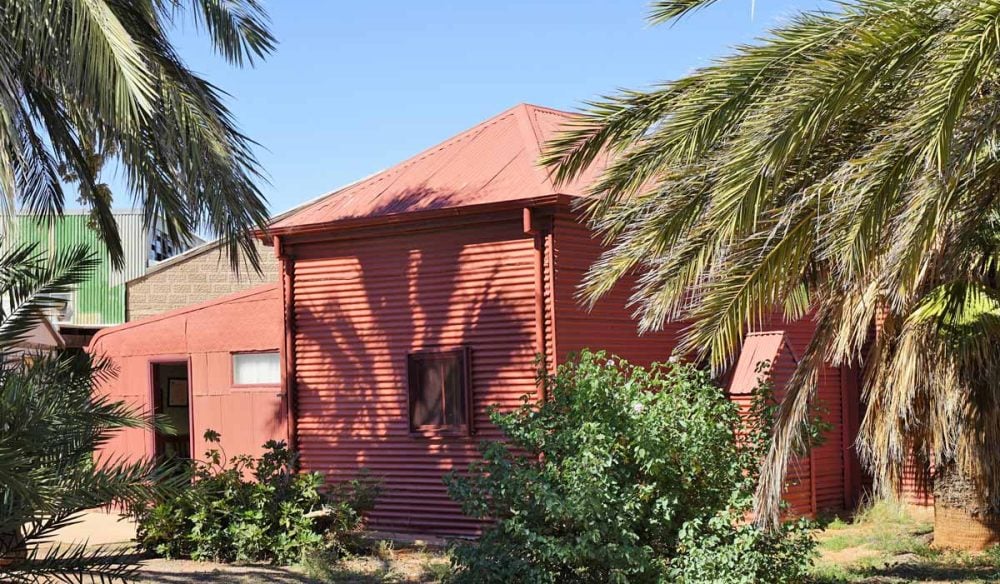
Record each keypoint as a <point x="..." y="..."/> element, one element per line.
<point x="846" y="166"/>
<point x="75" y="73"/>
<point x="50" y="425"/>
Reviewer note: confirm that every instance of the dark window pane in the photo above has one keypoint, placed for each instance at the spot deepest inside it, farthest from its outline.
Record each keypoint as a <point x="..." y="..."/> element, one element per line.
<point x="438" y="389"/>
<point x="454" y="391"/>
<point x="428" y="410"/>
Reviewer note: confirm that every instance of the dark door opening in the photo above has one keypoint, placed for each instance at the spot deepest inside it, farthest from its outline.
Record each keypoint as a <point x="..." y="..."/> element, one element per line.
<point x="171" y="395"/>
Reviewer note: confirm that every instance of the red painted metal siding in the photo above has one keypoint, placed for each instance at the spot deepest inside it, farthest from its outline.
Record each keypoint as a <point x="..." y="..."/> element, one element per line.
<point x="362" y="304"/>
<point x="802" y="484"/>
<point x="204" y="335"/>
<point x="828" y="458"/>
<point x="609" y="326"/>
<point x="363" y="300"/>
<point x="917" y="484"/>
<point x="772" y="347"/>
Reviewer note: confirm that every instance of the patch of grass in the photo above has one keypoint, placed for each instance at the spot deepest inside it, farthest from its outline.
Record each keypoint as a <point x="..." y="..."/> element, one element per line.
<point x="837" y="543"/>
<point x="888" y="542"/>
<point x="886" y="527"/>
<point x="384" y="550"/>
<point x="833" y="574"/>
<point x="435" y="570"/>
<point x="320" y="564"/>
<point x="380" y="562"/>
<point x="835" y="524"/>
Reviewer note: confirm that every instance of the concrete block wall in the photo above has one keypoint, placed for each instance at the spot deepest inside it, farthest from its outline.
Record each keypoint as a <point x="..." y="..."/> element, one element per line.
<point x="201" y="275"/>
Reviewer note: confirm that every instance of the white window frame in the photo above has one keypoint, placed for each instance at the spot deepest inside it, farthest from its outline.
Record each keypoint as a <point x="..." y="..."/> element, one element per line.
<point x="269" y="373"/>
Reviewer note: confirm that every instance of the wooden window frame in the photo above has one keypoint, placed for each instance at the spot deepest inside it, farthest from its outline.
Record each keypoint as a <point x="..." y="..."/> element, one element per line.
<point x="464" y="354"/>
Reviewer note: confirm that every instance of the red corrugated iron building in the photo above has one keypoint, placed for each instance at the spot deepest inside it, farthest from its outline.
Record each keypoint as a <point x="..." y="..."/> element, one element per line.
<point x="186" y="364"/>
<point x="410" y="302"/>
<point x="417" y="298"/>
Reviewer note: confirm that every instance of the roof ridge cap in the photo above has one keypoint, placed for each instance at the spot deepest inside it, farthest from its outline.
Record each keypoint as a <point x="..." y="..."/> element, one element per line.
<point x="549" y="110"/>
<point x="526" y="117"/>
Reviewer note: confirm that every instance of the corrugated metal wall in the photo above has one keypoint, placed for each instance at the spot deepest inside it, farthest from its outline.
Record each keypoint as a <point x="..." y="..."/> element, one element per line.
<point x="362" y="303"/>
<point x="918" y="484"/>
<point x="360" y="306"/>
<point x="827" y="459"/>
<point x="609" y="326"/>
<point x="100" y="300"/>
<point x="773" y="347"/>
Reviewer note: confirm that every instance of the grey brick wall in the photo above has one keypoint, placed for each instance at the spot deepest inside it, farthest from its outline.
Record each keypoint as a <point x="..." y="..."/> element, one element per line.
<point x="201" y="276"/>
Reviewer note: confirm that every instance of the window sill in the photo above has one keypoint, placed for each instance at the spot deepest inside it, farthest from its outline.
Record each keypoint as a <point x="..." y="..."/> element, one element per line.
<point x="441" y="432"/>
<point x="276" y="387"/>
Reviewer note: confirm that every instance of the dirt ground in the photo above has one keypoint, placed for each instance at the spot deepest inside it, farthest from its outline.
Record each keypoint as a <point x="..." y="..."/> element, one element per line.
<point x="886" y="544"/>
<point x="170" y="571"/>
<point x="890" y="544"/>
<point x="389" y="563"/>
<point x="404" y="566"/>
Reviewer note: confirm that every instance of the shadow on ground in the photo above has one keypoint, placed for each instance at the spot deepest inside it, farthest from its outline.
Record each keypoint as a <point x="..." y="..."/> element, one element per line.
<point x="932" y="573"/>
<point x="913" y="570"/>
<point x="237" y="575"/>
<point x="406" y="568"/>
<point x="155" y="570"/>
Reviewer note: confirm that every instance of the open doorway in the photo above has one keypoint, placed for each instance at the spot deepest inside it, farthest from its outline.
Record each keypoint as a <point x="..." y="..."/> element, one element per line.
<point x="171" y="399"/>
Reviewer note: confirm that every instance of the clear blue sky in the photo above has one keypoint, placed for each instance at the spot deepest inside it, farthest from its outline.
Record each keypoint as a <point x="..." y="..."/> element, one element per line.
<point x="357" y="86"/>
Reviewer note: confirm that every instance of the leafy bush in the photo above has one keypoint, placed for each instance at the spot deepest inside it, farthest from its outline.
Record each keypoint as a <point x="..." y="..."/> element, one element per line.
<point x="624" y="474"/>
<point x="723" y="549"/>
<point x="251" y="509"/>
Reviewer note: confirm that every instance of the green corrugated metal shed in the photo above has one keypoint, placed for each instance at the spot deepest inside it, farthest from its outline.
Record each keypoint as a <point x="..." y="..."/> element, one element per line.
<point x="100" y="300"/>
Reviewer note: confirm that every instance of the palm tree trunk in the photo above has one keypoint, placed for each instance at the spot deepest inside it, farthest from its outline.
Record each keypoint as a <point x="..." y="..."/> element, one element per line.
<point x="962" y="519"/>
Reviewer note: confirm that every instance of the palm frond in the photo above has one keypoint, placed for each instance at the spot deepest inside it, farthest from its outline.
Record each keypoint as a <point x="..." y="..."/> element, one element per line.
<point x="843" y="167"/>
<point x="766" y="270"/>
<point x="72" y="70"/>
<point x="239" y="29"/>
<point x="666" y="10"/>
<point x="49" y="472"/>
<point x="31" y="284"/>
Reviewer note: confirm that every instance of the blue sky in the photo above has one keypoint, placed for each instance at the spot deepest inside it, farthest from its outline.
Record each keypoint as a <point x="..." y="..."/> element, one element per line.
<point x="358" y="86"/>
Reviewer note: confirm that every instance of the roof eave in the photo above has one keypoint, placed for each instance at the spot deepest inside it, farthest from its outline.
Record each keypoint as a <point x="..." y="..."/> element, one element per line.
<point x="413" y="217"/>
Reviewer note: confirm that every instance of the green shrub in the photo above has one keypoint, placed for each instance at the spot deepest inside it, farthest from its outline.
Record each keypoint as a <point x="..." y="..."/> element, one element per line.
<point x="251" y="509"/>
<point x="623" y="474"/>
<point x="722" y="549"/>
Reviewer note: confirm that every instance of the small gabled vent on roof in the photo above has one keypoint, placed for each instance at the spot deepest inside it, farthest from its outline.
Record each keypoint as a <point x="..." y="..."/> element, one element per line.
<point x="758" y="361"/>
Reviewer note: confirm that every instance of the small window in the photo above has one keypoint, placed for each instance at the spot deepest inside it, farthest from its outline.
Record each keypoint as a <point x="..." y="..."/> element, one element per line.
<point x="439" y="391"/>
<point x="256" y="368"/>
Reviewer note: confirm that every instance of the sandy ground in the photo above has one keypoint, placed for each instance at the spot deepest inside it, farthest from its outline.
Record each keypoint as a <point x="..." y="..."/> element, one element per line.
<point x="881" y="550"/>
<point x="404" y="567"/>
<point x="97" y="527"/>
<point x="893" y="545"/>
<point x="171" y="571"/>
